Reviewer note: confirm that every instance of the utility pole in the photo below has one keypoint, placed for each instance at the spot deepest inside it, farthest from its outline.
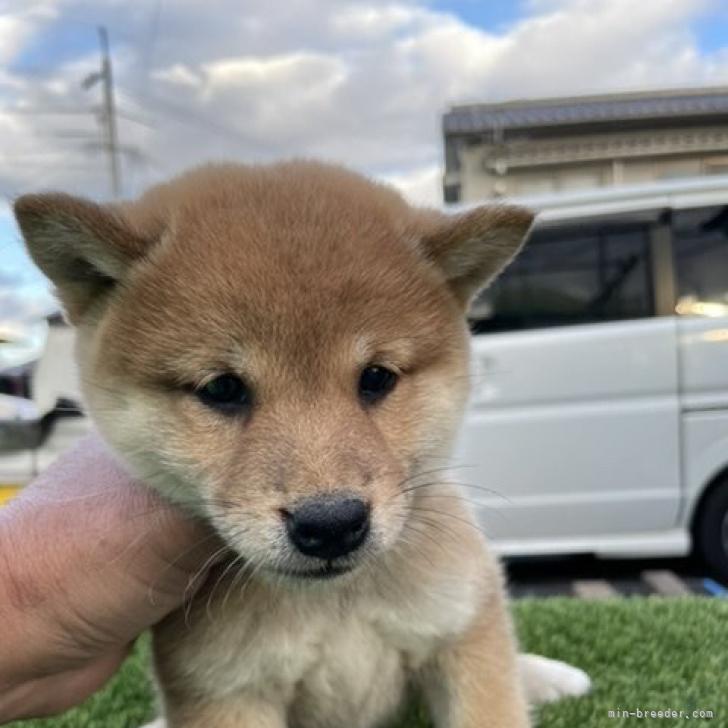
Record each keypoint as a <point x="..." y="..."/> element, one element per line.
<point x="108" y="111"/>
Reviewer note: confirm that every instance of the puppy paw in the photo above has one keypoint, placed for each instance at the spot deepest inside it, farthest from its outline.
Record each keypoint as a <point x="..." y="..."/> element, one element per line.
<point x="159" y="723"/>
<point x="548" y="680"/>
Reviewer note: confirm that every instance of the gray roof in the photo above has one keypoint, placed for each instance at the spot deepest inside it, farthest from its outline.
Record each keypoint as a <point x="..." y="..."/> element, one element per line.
<point x="587" y="109"/>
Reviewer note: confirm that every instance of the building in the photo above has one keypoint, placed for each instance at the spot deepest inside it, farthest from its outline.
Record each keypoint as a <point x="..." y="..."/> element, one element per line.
<point x="547" y="145"/>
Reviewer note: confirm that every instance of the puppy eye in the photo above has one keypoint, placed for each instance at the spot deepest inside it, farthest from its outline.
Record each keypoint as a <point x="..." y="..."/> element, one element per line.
<point x="375" y="383"/>
<point x="226" y="392"/>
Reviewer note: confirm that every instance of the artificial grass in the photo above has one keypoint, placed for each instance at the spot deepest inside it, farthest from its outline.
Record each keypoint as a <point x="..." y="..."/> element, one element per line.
<point x="647" y="654"/>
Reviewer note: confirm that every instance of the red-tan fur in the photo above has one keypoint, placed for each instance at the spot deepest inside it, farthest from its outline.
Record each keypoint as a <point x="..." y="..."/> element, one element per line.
<point x="295" y="277"/>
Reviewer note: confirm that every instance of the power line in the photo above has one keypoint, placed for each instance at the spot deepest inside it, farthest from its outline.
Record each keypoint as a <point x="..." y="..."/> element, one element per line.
<point x="188" y="116"/>
<point x="50" y="110"/>
<point x="108" y="113"/>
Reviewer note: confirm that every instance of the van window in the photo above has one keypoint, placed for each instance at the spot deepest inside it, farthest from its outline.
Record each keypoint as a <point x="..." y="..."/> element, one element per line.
<point x="571" y="275"/>
<point x="700" y="245"/>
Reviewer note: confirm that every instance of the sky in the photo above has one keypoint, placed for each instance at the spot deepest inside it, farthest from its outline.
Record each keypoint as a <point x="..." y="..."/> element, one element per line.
<point x="361" y="82"/>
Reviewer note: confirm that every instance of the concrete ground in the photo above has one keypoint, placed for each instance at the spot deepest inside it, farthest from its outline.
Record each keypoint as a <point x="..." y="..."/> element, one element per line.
<point x="591" y="578"/>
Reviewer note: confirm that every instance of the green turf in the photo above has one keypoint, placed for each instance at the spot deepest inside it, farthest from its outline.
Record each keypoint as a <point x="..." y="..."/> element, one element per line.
<point x="641" y="653"/>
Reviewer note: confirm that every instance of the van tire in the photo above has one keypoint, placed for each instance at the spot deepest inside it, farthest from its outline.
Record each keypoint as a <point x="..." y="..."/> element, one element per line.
<point x="712" y="530"/>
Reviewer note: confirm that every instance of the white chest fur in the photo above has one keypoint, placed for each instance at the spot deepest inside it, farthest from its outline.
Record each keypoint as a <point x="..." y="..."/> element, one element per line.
<point x="330" y="651"/>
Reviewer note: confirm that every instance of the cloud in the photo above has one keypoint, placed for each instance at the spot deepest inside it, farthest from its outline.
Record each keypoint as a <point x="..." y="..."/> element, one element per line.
<point x="17" y="24"/>
<point x="363" y="82"/>
<point x="580" y="46"/>
<point x="422" y="185"/>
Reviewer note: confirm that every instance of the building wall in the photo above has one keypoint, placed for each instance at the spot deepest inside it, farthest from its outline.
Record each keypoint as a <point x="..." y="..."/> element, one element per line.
<point x="530" y="167"/>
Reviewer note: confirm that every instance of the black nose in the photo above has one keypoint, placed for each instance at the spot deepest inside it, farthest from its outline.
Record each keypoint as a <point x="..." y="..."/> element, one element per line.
<point x="328" y="527"/>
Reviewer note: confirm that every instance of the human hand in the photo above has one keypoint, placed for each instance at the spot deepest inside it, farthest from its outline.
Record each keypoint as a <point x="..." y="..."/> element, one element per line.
<point x="89" y="559"/>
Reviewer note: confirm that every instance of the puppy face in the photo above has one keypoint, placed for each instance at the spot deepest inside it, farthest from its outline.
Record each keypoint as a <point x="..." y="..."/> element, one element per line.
<point x="281" y="349"/>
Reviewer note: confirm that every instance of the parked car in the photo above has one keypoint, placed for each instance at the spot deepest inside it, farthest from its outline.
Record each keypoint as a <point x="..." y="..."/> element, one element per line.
<point x="33" y="432"/>
<point x="599" y="417"/>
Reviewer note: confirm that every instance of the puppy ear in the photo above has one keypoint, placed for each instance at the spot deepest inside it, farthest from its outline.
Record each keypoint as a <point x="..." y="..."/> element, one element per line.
<point x="472" y="248"/>
<point x="84" y="248"/>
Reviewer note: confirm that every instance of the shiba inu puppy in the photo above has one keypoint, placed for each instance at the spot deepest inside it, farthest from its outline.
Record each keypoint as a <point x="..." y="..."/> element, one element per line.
<point x="283" y="350"/>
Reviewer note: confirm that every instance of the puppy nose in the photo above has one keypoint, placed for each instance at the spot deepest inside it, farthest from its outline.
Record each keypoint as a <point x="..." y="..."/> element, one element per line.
<point x="328" y="527"/>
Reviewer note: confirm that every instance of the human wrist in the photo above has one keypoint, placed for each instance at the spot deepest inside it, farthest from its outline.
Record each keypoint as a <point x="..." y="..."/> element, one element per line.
<point x="15" y="621"/>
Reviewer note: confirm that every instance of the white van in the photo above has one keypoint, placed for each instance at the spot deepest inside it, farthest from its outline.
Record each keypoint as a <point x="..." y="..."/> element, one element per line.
<point x="599" y="416"/>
